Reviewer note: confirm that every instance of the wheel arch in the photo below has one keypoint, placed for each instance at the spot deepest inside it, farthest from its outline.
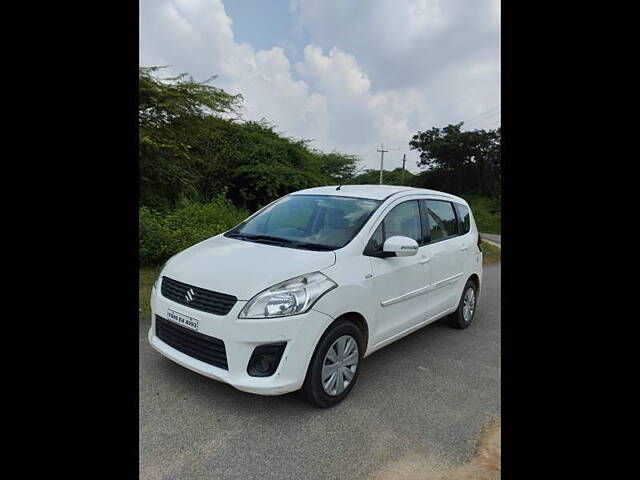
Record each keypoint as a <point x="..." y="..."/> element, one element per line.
<point x="475" y="279"/>
<point x="357" y="318"/>
<point x="360" y="322"/>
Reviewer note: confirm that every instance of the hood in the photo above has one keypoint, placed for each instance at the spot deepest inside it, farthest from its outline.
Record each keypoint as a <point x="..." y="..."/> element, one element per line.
<point x="241" y="268"/>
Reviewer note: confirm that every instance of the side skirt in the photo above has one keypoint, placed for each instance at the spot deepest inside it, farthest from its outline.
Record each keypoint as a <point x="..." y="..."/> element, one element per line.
<point x="409" y="330"/>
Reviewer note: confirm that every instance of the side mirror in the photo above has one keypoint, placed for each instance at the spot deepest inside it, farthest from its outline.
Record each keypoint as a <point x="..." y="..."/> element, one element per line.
<point x="399" y="246"/>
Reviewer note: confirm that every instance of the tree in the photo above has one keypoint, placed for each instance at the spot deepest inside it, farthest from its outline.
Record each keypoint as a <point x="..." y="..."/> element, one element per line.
<point x="337" y="166"/>
<point x="389" y="177"/>
<point x="163" y="101"/>
<point x="172" y="114"/>
<point x="460" y="162"/>
<point x="194" y="146"/>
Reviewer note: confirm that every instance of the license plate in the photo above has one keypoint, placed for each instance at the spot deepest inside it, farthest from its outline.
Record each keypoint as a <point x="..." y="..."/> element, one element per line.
<point x="181" y="319"/>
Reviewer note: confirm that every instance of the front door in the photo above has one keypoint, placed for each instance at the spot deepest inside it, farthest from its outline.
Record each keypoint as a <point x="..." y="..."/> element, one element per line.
<point x="400" y="284"/>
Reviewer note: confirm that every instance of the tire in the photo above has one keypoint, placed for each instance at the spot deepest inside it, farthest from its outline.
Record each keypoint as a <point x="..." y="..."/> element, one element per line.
<point x="457" y="318"/>
<point x="313" y="388"/>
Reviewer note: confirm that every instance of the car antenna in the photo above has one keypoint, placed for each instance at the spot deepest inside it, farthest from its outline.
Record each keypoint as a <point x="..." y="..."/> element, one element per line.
<point x="338" y="187"/>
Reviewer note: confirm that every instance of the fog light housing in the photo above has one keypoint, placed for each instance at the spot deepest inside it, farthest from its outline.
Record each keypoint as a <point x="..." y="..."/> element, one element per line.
<point x="265" y="359"/>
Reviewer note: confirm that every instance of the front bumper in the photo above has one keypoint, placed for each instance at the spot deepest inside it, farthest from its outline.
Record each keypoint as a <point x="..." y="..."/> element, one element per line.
<point x="301" y="332"/>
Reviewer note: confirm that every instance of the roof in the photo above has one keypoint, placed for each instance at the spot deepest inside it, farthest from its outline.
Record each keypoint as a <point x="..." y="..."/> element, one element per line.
<point x="376" y="192"/>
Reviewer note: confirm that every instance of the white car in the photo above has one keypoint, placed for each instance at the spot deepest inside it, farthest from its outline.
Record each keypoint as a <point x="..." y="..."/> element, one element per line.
<point x="301" y="291"/>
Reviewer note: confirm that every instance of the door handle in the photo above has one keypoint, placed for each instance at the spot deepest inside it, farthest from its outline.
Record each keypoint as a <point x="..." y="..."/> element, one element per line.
<point x="463" y="248"/>
<point x="425" y="260"/>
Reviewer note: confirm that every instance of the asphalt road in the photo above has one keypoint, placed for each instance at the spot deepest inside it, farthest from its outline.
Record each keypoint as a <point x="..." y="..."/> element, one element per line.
<point x="492" y="237"/>
<point x="428" y="395"/>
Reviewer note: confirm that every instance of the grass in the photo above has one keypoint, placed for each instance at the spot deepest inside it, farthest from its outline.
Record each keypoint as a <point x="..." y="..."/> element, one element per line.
<point x="490" y="253"/>
<point x="146" y="277"/>
<point x="487" y="212"/>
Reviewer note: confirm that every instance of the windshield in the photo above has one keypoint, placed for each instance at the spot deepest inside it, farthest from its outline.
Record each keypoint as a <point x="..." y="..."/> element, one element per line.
<point x="316" y="222"/>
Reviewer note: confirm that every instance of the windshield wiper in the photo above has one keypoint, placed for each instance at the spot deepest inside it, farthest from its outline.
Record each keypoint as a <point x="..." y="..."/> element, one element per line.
<point x="314" y="246"/>
<point x="260" y="238"/>
<point x="271" y="240"/>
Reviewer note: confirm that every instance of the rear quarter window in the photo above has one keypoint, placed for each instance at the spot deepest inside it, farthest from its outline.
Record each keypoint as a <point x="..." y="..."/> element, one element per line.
<point x="465" y="218"/>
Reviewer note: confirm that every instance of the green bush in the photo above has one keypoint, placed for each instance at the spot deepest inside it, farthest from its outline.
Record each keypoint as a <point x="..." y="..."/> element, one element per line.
<point x="486" y="211"/>
<point x="163" y="234"/>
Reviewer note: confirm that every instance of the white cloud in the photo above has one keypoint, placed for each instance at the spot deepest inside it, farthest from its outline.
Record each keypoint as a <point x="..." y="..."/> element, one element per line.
<point x="374" y="71"/>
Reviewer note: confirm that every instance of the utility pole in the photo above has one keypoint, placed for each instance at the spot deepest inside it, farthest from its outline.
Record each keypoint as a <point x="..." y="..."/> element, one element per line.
<point x="382" y="151"/>
<point x="404" y="159"/>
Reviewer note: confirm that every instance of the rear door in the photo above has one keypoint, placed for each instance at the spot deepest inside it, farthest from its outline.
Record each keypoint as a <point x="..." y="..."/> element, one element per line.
<point x="445" y="253"/>
<point x="400" y="284"/>
<point x="468" y="238"/>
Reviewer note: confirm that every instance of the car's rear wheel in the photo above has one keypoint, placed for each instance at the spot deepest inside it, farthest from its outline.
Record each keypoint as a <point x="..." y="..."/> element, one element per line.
<point x="334" y="367"/>
<point x="463" y="316"/>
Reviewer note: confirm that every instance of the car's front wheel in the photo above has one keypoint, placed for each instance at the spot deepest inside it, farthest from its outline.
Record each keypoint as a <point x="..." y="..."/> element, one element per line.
<point x="334" y="367"/>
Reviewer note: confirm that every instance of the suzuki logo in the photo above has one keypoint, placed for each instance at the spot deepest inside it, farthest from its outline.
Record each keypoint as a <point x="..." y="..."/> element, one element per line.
<point x="189" y="295"/>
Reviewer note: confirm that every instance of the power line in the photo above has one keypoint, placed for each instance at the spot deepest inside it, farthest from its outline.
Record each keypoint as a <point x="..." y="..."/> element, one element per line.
<point x="482" y="114"/>
<point x="365" y="154"/>
<point x="490" y="124"/>
<point x="486" y="117"/>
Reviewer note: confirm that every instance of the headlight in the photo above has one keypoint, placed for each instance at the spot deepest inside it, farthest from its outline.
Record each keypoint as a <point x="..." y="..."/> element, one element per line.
<point x="290" y="297"/>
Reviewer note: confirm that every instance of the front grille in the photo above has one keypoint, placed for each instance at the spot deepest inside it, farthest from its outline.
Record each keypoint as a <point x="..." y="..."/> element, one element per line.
<point x="197" y="298"/>
<point x="197" y="345"/>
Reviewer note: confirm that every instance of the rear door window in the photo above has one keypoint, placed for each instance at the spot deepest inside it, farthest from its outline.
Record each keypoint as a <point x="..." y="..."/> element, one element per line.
<point x="442" y="220"/>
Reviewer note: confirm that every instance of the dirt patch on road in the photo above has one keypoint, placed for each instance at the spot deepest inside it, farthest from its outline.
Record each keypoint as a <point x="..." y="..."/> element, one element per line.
<point x="485" y="465"/>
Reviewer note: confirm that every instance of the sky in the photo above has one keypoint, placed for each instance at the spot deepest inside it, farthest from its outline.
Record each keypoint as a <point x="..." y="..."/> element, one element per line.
<point x="348" y="75"/>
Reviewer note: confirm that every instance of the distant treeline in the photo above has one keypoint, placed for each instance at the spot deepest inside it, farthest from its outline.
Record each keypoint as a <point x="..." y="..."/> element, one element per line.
<point x="194" y="146"/>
